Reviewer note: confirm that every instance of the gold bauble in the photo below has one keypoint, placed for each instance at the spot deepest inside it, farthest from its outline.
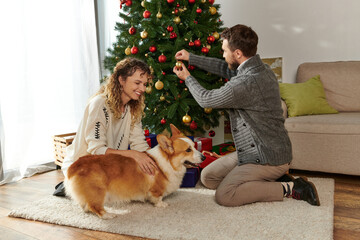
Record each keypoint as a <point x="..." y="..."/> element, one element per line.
<point x="151" y="70"/>
<point x="164" y="34"/>
<point x="212" y="10"/>
<point x="203" y="1"/>
<point x="155" y="110"/>
<point x="177" y="20"/>
<point x="159" y="15"/>
<point x="208" y="46"/>
<point x="146" y="55"/>
<point x="143" y="3"/>
<point x="208" y="110"/>
<point x="216" y="35"/>
<point x="148" y="89"/>
<point x="186" y="118"/>
<point x="159" y="85"/>
<point x="186" y="89"/>
<point x="178" y="65"/>
<point x="162" y="98"/>
<point x="144" y="34"/>
<point x="128" y="51"/>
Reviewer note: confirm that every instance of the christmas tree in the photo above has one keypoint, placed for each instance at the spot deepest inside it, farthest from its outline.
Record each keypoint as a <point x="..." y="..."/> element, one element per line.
<point x="154" y="30"/>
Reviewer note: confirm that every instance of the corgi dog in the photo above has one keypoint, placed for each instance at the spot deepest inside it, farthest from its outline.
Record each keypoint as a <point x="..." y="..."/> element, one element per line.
<point x="94" y="180"/>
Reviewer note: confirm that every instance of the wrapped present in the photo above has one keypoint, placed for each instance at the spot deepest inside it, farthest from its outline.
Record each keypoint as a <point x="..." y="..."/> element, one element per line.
<point x="225" y="148"/>
<point x="151" y="140"/>
<point x="203" y="144"/>
<point x="191" y="177"/>
<point x="210" y="157"/>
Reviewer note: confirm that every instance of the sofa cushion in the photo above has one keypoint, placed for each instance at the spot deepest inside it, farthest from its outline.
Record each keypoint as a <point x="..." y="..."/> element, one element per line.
<point x="305" y="98"/>
<point x="341" y="123"/>
<point x="341" y="81"/>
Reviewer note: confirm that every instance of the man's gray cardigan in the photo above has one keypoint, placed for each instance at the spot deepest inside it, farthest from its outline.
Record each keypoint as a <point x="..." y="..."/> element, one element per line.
<point x="253" y="100"/>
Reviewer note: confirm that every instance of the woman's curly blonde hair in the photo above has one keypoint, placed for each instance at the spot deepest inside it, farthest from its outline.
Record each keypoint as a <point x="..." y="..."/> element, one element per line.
<point x="112" y="89"/>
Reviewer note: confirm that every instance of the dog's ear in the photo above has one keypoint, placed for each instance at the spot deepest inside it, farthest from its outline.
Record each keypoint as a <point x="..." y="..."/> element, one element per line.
<point x="175" y="132"/>
<point x="165" y="143"/>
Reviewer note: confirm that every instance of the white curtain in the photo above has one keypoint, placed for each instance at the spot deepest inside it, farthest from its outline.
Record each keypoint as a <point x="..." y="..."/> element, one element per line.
<point x="49" y="68"/>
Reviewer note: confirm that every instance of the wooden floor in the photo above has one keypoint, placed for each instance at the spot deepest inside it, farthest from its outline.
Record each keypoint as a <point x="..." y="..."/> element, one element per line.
<point x="346" y="212"/>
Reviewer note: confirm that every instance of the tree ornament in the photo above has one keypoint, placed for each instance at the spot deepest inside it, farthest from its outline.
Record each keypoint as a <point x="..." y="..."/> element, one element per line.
<point x="191" y="67"/>
<point x="164" y="34"/>
<point x="162" y="58"/>
<point x="191" y="44"/>
<point x="163" y="73"/>
<point x="211" y="1"/>
<point x="151" y="70"/>
<point x="127" y="51"/>
<point x="207" y="110"/>
<point x="181" y="81"/>
<point x="155" y="110"/>
<point x="177" y="20"/>
<point x="186" y="89"/>
<point x="198" y="10"/>
<point x="212" y="133"/>
<point x="148" y="89"/>
<point x="208" y="46"/>
<point x="170" y="28"/>
<point x="162" y="98"/>
<point x="203" y="1"/>
<point x="134" y="50"/>
<point x="132" y="30"/>
<point x="144" y="34"/>
<point x="191" y="1"/>
<point x="159" y="15"/>
<point x="210" y="39"/>
<point x="212" y="10"/>
<point x="186" y="118"/>
<point x="205" y="50"/>
<point x="170" y="1"/>
<point x="173" y="35"/>
<point x="216" y="35"/>
<point x="159" y="85"/>
<point x="178" y="65"/>
<point x="176" y="11"/>
<point x="146" y="55"/>
<point x="197" y="43"/>
<point x="128" y="3"/>
<point x="193" y="125"/>
<point x="163" y="121"/>
<point x="152" y="48"/>
<point x="147" y="14"/>
<point x="146" y="132"/>
<point x="226" y="80"/>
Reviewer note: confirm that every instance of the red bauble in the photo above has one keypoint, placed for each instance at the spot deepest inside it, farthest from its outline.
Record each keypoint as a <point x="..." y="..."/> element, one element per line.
<point x="176" y="11"/>
<point x="192" y="1"/>
<point x="152" y="48"/>
<point x="173" y="35"/>
<point x="193" y="125"/>
<point x="147" y="132"/>
<point x="134" y="50"/>
<point x="210" y="39"/>
<point x="198" y="10"/>
<point x="162" y="58"/>
<point x="191" y="44"/>
<point x="226" y="80"/>
<point x="177" y="5"/>
<point x="170" y="28"/>
<point x="163" y="73"/>
<point x="170" y="1"/>
<point x="146" y="14"/>
<point x="132" y="30"/>
<point x="181" y="81"/>
<point x="205" y="50"/>
<point x="191" y="67"/>
<point x="211" y="1"/>
<point x="128" y="3"/>
<point x="163" y="121"/>
<point x="197" y="43"/>
<point x="212" y="133"/>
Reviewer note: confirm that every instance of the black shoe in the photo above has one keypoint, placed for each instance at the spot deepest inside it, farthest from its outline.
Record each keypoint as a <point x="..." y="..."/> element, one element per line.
<point x="305" y="190"/>
<point x="60" y="190"/>
<point x="285" y="178"/>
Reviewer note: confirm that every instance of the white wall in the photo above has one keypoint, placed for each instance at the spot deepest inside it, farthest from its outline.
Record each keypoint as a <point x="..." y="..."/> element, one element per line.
<point x="299" y="30"/>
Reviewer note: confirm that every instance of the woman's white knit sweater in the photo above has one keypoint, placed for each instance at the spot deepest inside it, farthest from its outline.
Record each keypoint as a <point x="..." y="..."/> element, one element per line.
<point x="99" y="130"/>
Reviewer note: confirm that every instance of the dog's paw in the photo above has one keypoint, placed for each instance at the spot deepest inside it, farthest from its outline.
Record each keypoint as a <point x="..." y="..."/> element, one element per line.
<point x="161" y="204"/>
<point x="107" y="215"/>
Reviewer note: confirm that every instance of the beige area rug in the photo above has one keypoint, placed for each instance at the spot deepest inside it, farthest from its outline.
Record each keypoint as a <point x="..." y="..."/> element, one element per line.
<point x="193" y="214"/>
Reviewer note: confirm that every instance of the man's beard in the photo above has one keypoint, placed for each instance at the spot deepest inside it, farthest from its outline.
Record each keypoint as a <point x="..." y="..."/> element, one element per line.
<point x="233" y="65"/>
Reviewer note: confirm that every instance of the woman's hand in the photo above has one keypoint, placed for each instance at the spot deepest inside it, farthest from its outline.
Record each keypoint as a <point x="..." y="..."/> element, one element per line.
<point x="182" y="73"/>
<point x="146" y="164"/>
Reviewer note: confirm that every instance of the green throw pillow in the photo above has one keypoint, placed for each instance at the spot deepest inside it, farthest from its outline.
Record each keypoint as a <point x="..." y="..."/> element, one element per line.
<point x="305" y="98"/>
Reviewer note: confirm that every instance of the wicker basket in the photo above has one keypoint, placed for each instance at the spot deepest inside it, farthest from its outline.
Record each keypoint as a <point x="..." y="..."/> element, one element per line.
<point x="60" y="143"/>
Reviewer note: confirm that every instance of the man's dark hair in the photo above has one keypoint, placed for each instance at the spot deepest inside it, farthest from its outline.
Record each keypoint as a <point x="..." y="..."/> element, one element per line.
<point x="241" y="37"/>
